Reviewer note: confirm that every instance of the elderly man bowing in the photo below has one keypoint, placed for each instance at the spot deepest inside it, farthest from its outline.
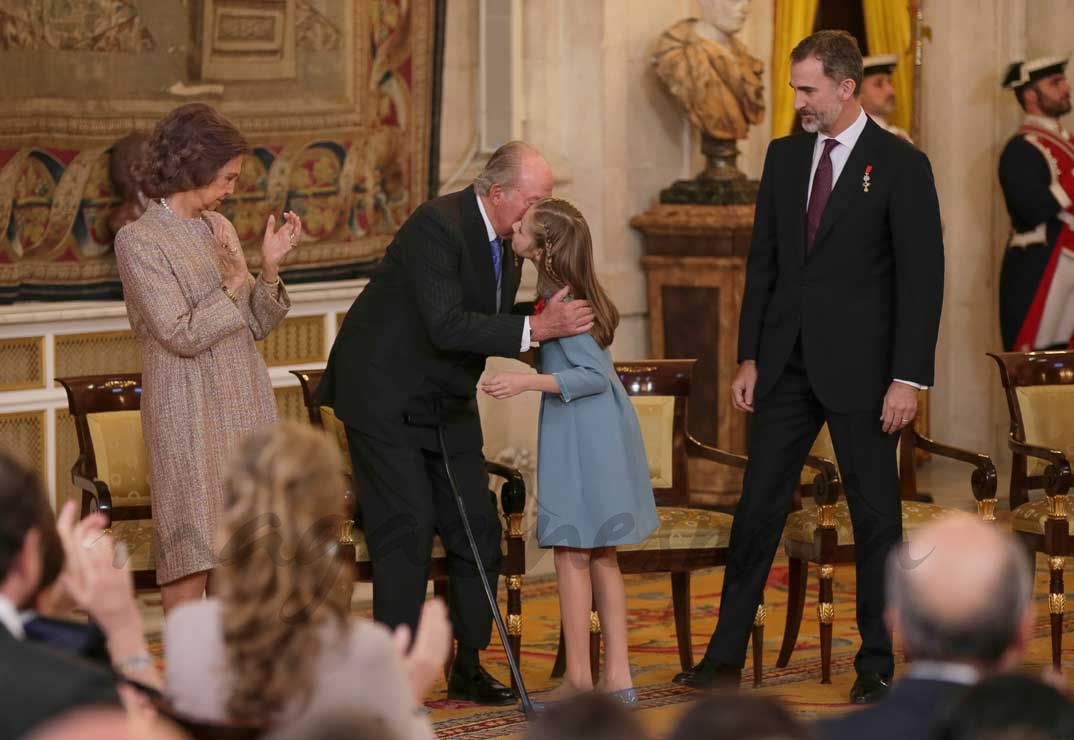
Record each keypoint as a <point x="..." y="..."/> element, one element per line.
<point x="414" y="345"/>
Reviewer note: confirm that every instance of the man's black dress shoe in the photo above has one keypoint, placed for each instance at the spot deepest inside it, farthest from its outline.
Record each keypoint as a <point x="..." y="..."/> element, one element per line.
<point x="710" y="674"/>
<point x="479" y="687"/>
<point x="869" y="687"/>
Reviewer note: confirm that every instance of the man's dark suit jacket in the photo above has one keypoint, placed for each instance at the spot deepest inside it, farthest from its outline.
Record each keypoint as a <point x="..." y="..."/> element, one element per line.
<point x="423" y="327"/>
<point x="908" y="712"/>
<point x="866" y="299"/>
<point x="38" y="683"/>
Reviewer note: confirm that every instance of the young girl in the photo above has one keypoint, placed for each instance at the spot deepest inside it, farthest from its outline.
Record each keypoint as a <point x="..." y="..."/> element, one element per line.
<point x="592" y="475"/>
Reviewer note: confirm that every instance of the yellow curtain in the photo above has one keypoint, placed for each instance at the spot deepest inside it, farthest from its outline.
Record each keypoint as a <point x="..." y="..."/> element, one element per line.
<point x="794" y="21"/>
<point x="887" y="27"/>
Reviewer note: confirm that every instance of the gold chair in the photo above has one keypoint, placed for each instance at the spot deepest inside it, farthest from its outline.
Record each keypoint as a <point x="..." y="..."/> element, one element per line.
<point x="112" y="470"/>
<point x="823" y="534"/>
<point x="689" y="537"/>
<point x="1039" y="387"/>
<point x="512" y="502"/>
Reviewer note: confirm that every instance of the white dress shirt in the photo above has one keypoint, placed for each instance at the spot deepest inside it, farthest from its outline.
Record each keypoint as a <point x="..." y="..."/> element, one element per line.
<point x="491" y="232"/>
<point x="9" y="617"/>
<point x="839" y="156"/>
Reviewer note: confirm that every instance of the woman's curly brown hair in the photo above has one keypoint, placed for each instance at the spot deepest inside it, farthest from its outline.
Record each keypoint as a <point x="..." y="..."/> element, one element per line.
<point x="281" y="591"/>
<point x="186" y="150"/>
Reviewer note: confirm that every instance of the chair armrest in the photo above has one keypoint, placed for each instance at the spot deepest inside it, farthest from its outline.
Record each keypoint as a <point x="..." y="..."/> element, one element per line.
<point x="1057" y="477"/>
<point x="827" y="486"/>
<point x="513" y="491"/>
<point x="97" y="491"/>
<point x="697" y="448"/>
<point x="983" y="481"/>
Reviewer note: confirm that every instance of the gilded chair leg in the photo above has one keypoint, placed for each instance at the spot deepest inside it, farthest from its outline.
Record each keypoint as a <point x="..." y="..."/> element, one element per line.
<point x="514" y="622"/>
<point x="594" y="645"/>
<point x="826" y="615"/>
<point x="1056" y="606"/>
<point x="680" y="601"/>
<point x="758" y="644"/>
<point x="560" y="666"/>
<point x="440" y="591"/>
<point x="797" y="575"/>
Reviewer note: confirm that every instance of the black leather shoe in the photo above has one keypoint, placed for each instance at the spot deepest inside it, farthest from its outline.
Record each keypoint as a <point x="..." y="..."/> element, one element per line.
<point x="479" y="687"/>
<point x="710" y="674"/>
<point x="869" y="687"/>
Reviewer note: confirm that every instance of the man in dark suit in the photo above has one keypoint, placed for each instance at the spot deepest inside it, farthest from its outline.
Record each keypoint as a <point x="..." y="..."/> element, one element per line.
<point x="412" y="348"/>
<point x="960" y="596"/>
<point x="36" y="682"/>
<point x="844" y="286"/>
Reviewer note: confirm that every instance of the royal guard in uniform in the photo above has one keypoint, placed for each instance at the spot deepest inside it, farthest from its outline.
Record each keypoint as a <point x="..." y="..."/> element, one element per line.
<point x="1036" y="172"/>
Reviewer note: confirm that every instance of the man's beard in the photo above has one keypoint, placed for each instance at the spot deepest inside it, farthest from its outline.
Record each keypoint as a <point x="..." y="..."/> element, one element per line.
<point x="1054" y="108"/>
<point x="820" y="120"/>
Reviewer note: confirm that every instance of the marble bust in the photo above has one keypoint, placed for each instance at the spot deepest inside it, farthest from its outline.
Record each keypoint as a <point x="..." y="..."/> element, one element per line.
<point x="712" y="75"/>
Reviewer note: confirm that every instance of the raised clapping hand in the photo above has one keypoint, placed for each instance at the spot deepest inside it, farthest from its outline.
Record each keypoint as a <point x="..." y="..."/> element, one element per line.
<point x="233" y="268"/>
<point x="561" y="319"/>
<point x="423" y="661"/>
<point x="278" y="243"/>
<point x="94" y="573"/>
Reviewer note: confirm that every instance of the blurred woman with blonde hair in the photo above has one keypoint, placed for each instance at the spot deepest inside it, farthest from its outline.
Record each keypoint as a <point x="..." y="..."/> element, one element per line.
<point x="279" y="643"/>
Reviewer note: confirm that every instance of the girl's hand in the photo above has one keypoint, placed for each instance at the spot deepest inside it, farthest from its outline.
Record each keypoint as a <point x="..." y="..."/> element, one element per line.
<point x="278" y="243"/>
<point x="506" y="385"/>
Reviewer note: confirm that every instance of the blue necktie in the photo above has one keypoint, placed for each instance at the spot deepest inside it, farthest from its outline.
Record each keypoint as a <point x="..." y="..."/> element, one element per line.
<point x="497" y="258"/>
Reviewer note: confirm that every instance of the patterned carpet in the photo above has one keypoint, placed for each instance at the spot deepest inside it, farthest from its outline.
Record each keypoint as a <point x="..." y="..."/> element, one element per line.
<point x="654" y="655"/>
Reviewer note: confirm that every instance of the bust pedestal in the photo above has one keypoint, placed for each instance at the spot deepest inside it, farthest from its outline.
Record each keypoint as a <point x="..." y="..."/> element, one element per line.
<point x="695" y="268"/>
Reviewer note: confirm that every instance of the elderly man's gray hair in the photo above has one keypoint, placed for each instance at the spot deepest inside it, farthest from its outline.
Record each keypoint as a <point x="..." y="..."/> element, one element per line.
<point x="504" y="168"/>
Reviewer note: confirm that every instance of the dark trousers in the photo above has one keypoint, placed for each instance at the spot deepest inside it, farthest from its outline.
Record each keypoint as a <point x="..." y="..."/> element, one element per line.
<point x="405" y="500"/>
<point x="785" y="424"/>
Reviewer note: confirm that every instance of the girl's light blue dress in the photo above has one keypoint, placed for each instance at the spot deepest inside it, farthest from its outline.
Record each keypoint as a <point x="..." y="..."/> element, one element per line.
<point x="593" y="485"/>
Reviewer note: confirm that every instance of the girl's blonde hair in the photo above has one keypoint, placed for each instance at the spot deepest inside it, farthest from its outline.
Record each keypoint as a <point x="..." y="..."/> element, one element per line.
<point x="566" y="245"/>
<point x="282" y="580"/>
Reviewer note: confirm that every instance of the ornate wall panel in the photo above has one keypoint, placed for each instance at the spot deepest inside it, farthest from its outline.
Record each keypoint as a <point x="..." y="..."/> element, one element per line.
<point x="23" y="364"/>
<point x="341" y="134"/>
<point x="290" y="405"/>
<point x="66" y="454"/>
<point x="296" y="340"/>
<point x="23" y="434"/>
<point x="97" y="353"/>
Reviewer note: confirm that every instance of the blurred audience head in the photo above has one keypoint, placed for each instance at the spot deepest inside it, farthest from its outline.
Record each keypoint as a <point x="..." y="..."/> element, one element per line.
<point x="961" y="592"/>
<point x="591" y="716"/>
<point x="737" y="716"/>
<point x="337" y="724"/>
<point x="1008" y="707"/>
<point x="26" y="526"/>
<point x="282" y="580"/>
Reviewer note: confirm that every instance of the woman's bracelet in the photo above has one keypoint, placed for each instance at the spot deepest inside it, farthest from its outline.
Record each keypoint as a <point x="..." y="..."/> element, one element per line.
<point x="273" y="284"/>
<point x="230" y="293"/>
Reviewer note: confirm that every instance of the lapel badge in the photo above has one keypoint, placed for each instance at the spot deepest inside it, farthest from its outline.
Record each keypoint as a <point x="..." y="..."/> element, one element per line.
<point x="865" y="178"/>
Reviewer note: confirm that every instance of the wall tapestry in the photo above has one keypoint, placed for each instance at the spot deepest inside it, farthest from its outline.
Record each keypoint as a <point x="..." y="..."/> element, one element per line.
<point x="336" y="98"/>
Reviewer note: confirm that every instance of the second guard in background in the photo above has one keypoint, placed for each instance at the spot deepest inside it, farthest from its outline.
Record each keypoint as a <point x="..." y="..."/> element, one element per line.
<point x="878" y="94"/>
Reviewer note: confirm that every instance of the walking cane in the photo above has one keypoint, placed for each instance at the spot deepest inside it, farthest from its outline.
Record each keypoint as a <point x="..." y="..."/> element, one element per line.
<point x="440" y="423"/>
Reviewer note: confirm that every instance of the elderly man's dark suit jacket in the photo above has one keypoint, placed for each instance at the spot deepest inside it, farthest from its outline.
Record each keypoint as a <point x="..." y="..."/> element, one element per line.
<point x="424" y="326"/>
